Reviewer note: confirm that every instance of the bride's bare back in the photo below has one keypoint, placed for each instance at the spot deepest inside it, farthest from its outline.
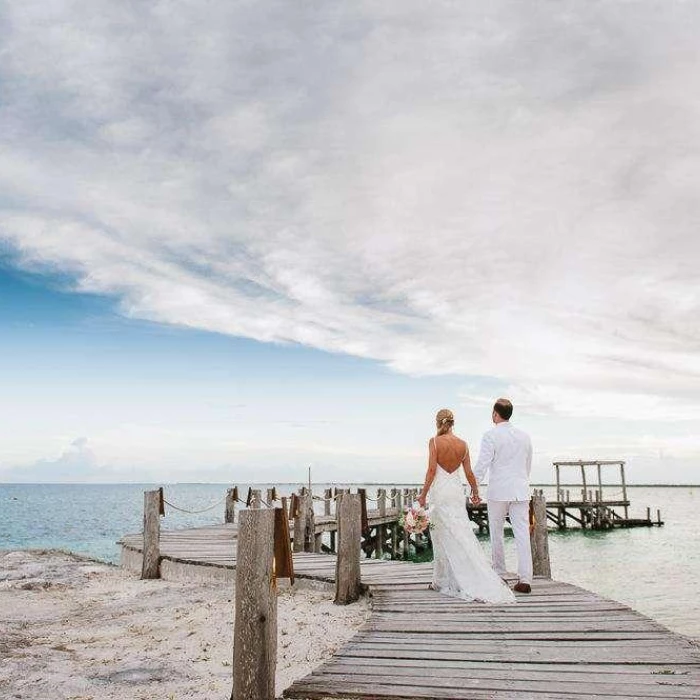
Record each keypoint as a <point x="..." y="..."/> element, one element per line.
<point x="450" y="451"/>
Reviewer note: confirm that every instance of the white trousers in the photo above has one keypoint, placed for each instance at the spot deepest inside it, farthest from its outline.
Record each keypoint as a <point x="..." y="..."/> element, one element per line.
<point x="519" y="514"/>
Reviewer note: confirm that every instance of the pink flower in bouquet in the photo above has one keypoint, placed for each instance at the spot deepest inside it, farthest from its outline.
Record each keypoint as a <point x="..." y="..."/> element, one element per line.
<point x="415" y="519"/>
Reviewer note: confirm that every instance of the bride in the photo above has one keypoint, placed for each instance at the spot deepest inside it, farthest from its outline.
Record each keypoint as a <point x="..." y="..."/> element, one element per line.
<point x="460" y="567"/>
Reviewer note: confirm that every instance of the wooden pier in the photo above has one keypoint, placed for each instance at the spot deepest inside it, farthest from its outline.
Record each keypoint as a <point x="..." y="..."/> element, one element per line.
<point x="558" y="643"/>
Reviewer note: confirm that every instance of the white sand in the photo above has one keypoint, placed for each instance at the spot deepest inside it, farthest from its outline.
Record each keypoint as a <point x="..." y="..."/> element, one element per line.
<point x="75" y="629"/>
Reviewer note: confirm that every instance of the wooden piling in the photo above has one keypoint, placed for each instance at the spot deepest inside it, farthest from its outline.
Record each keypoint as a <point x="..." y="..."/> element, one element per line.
<point x="255" y="629"/>
<point x="299" y="516"/>
<point x="152" y="508"/>
<point x="310" y="523"/>
<point x="624" y="488"/>
<point x="407" y="502"/>
<point x="381" y="529"/>
<point x="348" y="584"/>
<point x="255" y="499"/>
<point x="539" y="542"/>
<point x="231" y="502"/>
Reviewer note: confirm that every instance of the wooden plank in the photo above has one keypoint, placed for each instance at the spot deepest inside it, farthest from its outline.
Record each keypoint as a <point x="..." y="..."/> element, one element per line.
<point x="376" y="691"/>
<point x="656" y="688"/>
<point x="534" y="653"/>
<point x="688" y="672"/>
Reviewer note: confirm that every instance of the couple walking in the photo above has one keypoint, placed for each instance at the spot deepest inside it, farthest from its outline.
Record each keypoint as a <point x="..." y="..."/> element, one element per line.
<point x="459" y="566"/>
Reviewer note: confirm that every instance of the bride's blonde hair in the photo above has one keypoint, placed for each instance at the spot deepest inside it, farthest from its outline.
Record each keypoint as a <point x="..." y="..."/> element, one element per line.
<point x="445" y="420"/>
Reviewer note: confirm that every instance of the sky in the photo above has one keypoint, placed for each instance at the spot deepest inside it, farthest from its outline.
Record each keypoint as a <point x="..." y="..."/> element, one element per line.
<point x="238" y="243"/>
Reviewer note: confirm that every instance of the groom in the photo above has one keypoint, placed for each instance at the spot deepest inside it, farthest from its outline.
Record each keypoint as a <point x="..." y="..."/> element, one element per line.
<point x="506" y="453"/>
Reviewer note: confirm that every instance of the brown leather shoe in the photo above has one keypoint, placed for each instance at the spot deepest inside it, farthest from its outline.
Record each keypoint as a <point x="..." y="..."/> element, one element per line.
<point x="521" y="587"/>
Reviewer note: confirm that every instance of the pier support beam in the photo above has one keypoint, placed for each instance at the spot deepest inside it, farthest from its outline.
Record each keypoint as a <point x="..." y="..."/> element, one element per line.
<point x="381" y="529"/>
<point x="255" y="629"/>
<point x="348" y="583"/>
<point x="231" y="501"/>
<point x="310" y="524"/>
<point x="539" y="537"/>
<point x="299" y="515"/>
<point x="152" y="510"/>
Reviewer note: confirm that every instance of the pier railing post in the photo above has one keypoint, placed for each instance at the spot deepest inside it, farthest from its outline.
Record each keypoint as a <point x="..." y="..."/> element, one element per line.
<point x="310" y="524"/>
<point x="348" y="584"/>
<point x="539" y="537"/>
<point x="255" y="628"/>
<point x="231" y="501"/>
<point x="407" y="503"/>
<point x="300" y="520"/>
<point x="152" y="510"/>
<point x="381" y="529"/>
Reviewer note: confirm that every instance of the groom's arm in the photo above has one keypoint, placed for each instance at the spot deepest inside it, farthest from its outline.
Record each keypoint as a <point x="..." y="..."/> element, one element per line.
<point x="487" y="451"/>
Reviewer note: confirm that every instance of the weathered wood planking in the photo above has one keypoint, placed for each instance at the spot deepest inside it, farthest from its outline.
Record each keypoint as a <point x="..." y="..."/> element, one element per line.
<point x="558" y="643"/>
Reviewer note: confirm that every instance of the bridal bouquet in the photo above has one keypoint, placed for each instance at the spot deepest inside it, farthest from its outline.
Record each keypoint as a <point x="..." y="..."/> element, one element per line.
<point x="415" y="519"/>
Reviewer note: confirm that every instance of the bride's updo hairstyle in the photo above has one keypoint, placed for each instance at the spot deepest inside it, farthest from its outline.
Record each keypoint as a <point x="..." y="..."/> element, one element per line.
<point x="445" y="420"/>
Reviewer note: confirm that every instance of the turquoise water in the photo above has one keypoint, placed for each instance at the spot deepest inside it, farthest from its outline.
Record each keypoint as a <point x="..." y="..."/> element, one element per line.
<point x="655" y="570"/>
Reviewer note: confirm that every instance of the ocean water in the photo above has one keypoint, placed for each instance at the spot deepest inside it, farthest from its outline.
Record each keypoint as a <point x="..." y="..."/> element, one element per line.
<point x="655" y="570"/>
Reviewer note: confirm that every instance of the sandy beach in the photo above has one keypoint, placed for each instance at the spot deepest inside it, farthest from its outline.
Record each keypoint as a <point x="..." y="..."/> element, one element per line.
<point x="79" y="629"/>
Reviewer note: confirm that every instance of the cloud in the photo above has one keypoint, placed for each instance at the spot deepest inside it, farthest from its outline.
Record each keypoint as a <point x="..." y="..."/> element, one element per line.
<point x="76" y="463"/>
<point x="499" y="191"/>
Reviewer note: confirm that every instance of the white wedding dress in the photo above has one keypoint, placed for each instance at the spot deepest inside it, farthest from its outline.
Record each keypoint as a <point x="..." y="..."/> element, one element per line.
<point x="460" y="567"/>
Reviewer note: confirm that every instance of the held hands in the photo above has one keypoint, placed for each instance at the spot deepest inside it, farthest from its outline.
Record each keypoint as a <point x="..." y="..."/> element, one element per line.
<point x="421" y="500"/>
<point x="475" y="498"/>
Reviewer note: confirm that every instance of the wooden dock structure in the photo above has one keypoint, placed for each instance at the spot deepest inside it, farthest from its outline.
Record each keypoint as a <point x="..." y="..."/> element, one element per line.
<point x="558" y="643"/>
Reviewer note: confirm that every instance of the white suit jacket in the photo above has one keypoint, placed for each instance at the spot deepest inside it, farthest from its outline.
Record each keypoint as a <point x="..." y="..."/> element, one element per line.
<point x="506" y="456"/>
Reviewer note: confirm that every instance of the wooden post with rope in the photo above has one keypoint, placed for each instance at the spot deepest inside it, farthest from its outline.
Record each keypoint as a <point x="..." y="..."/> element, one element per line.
<point x="310" y="522"/>
<point x="407" y="502"/>
<point x="299" y="514"/>
<point x="539" y="535"/>
<point x="231" y="502"/>
<point x="255" y="628"/>
<point x="381" y="529"/>
<point x="348" y="583"/>
<point x="153" y="508"/>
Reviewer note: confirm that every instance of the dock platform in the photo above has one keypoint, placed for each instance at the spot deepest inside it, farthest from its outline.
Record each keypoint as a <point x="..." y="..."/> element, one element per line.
<point x="558" y="643"/>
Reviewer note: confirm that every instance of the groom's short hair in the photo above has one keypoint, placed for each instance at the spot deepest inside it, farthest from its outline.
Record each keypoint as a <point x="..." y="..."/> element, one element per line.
<point x="504" y="408"/>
